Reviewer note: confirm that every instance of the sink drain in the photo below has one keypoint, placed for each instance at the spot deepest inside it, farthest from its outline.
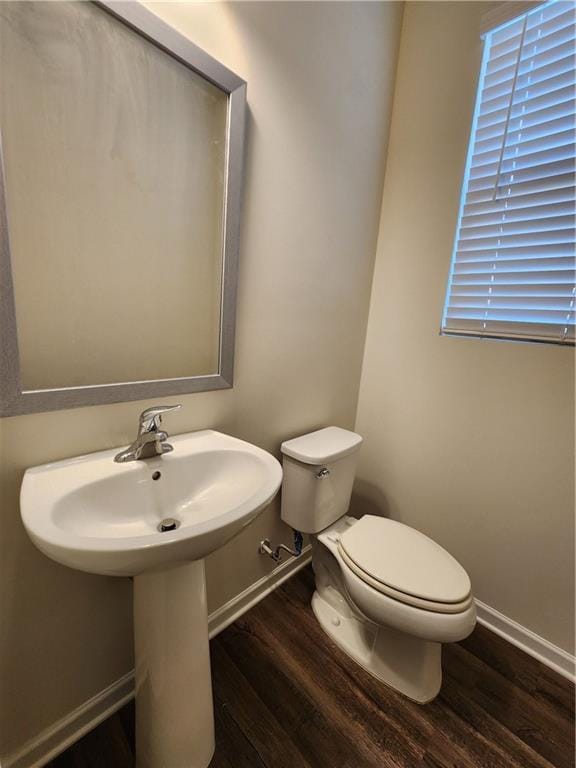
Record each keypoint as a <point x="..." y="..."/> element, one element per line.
<point x="169" y="524"/>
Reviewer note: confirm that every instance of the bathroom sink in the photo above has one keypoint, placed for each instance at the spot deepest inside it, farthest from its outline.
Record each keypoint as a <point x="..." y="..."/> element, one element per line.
<point x="96" y="515"/>
<point x="156" y="519"/>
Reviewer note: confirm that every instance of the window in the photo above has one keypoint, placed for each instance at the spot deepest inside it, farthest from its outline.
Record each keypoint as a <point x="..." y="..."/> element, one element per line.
<point x="513" y="268"/>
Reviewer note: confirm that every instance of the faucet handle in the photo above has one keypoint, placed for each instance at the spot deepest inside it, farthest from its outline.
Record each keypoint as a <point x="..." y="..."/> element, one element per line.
<point x="151" y="418"/>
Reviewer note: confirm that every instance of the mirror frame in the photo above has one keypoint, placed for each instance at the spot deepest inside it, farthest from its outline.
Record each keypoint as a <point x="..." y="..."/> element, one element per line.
<point x="13" y="399"/>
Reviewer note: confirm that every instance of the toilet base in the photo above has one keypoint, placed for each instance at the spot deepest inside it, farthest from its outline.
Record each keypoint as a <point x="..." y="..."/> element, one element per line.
<point x="405" y="663"/>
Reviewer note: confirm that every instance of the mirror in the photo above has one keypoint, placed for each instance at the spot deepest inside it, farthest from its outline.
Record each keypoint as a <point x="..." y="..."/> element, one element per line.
<point x="122" y="148"/>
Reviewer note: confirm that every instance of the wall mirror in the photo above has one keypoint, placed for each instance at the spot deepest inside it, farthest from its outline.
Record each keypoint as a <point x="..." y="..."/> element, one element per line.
<point x="121" y="159"/>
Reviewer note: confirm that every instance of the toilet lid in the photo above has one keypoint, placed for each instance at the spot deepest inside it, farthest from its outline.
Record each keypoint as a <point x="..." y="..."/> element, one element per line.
<point x="405" y="560"/>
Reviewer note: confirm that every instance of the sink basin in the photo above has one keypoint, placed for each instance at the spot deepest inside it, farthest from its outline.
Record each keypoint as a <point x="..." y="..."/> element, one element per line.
<point x="95" y="515"/>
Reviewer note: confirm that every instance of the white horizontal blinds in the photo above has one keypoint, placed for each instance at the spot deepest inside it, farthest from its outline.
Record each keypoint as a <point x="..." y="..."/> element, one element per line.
<point x="513" y="272"/>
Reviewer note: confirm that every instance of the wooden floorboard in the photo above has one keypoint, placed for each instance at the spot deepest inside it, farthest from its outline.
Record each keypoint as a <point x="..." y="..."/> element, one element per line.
<point x="286" y="697"/>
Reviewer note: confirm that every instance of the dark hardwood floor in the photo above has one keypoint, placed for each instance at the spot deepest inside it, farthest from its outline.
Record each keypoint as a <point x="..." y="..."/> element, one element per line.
<point x="286" y="697"/>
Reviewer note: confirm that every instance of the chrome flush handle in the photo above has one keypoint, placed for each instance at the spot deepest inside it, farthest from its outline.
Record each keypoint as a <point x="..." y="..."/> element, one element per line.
<point x="322" y="473"/>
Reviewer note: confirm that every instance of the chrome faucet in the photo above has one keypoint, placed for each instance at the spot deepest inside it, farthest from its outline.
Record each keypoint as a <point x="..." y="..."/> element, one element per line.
<point x="151" y="440"/>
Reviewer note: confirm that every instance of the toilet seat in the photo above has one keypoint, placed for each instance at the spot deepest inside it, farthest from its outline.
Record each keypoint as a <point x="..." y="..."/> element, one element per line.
<point x="416" y="602"/>
<point x="404" y="564"/>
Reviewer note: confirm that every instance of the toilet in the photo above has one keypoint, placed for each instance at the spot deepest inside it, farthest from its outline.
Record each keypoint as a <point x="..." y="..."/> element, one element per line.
<point x="386" y="594"/>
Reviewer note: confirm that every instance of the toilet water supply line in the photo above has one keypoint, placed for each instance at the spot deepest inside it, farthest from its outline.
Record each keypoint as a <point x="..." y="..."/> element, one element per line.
<point x="265" y="548"/>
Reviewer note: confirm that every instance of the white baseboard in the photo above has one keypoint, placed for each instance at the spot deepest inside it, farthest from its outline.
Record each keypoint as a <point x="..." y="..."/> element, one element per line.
<point x="53" y="740"/>
<point x="531" y="643"/>
<point x="228" y="613"/>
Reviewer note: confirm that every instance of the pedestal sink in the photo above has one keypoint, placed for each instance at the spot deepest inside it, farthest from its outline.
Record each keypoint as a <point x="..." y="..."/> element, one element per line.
<point x="94" y="515"/>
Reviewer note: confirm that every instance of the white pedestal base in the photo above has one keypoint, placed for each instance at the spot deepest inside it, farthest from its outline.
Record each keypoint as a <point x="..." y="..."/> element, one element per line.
<point x="408" y="664"/>
<point x="174" y="714"/>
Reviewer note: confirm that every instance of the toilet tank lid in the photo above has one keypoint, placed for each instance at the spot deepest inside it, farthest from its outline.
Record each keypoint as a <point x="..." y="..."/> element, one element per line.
<point x="323" y="446"/>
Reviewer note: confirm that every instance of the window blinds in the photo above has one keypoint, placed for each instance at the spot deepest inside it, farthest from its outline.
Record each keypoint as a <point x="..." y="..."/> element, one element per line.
<point x="513" y="272"/>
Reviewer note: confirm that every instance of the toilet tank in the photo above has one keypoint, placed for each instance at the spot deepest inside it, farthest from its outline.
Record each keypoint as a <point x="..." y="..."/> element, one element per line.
<point x="319" y="471"/>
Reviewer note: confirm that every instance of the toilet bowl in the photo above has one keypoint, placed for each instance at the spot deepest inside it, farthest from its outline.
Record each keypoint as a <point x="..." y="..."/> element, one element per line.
<point x="388" y="595"/>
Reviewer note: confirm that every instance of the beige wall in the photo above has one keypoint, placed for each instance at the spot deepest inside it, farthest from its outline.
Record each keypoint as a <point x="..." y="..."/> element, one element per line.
<point x="470" y="441"/>
<point x="314" y="170"/>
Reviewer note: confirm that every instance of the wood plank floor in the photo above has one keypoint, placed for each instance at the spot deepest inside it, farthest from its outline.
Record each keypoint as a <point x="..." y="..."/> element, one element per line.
<point x="286" y="697"/>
